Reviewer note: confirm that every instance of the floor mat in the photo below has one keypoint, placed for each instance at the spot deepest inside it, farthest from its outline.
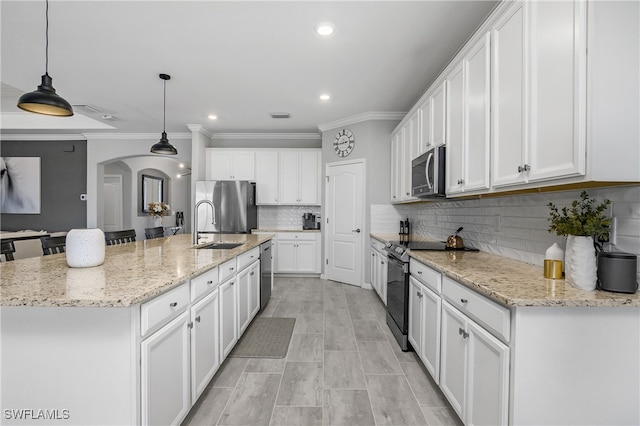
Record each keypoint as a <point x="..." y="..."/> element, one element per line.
<point x="265" y="338"/>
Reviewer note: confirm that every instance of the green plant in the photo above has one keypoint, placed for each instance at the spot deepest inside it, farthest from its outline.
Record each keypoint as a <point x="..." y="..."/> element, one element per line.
<point x="583" y="218"/>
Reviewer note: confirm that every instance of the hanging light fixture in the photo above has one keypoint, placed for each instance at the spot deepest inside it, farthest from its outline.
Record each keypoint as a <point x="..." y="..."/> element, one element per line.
<point x="163" y="146"/>
<point x="44" y="100"/>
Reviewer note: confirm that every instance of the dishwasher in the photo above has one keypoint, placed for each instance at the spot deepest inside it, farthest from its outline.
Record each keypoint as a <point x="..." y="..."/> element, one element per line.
<point x="266" y="273"/>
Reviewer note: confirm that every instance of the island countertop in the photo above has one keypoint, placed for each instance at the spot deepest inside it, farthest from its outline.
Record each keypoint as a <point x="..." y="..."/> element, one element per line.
<point x="511" y="282"/>
<point x="131" y="273"/>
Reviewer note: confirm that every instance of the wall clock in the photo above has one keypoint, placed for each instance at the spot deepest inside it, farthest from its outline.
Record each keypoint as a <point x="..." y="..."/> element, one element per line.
<point x="344" y="142"/>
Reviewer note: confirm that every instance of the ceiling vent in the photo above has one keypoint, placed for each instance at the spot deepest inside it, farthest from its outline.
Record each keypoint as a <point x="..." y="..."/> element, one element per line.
<point x="280" y="115"/>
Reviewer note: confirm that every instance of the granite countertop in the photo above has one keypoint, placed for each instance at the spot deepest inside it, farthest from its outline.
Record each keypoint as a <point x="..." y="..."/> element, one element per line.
<point x="512" y="282"/>
<point x="131" y="273"/>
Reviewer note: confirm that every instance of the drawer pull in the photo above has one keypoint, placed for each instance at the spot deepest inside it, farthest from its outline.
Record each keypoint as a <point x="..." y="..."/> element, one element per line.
<point x="463" y="300"/>
<point x="198" y="318"/>
<point x="463" y="333"/>
<point x="209" y="282"/>
<point x="419" y="272"/>
<point x="419" y="294"/>
<point x="173" y="304"/>
<point x="231" y="283"/>
<point x="252" y="273"/>
<point x="190" y="324"/>
<point x="232" y="268"/>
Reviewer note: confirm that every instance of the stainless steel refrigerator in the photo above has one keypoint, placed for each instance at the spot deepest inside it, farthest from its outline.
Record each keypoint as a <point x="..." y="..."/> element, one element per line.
<point x="233" y="203"/>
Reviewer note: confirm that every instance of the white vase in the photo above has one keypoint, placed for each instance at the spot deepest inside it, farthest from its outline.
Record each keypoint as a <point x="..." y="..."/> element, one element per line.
<point x="567" y="257"/>
<point x="156" y="221"/>
<point x="85" y="248"/>
<point x="583" y="267"/>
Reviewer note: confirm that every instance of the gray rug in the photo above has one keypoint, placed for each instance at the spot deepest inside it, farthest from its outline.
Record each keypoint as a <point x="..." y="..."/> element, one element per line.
<point x="265" y="338"/>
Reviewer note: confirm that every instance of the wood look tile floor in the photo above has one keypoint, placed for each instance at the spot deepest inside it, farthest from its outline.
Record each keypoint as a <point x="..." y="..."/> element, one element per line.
<point x="343" y="367"/>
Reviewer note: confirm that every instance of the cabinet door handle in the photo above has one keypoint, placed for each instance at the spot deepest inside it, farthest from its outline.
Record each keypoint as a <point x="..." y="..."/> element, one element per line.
<point x="419" y="272"/>
<point x="419" y="294"/>
<point x="198" y="318"/>
<point x="463" y="300"/>
<point x="463" y="333"/>
<point x="357" y="231"/>
<point x="173" y="304"/>
<point x="209" y="282"/>
<point x="231" y="283"/>
<point x="519" y="169"/>
<point x="231" y="269"/>
<point x="190" y="324"/>
<point x="252" y="273"/>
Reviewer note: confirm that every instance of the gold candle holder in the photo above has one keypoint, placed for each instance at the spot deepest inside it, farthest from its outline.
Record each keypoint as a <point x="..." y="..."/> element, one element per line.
<point x="553" y="269"/>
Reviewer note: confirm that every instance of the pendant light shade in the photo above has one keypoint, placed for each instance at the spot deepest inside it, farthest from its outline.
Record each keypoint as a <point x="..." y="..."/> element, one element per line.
<point x="163" y="146"/>
<point x="44" y="100"/>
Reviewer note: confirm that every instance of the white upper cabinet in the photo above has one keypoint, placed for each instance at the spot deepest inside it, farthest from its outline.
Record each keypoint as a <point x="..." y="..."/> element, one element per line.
<point x="426" y="127"/>
<point x="410" y="151"/>
<point x="396" y="169"/>
<point x="468" y="122"/>
<point x="224" y="164"/>
<point x="267" y="177"/>
<point x="299" y="177"/>
<point x="538" y="99"/>
<point x="438" y="123"/>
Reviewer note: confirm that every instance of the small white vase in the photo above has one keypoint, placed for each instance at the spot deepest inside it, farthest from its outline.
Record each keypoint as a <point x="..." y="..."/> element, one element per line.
<point x="584" y="270"/>
<point x="85" y="248"/>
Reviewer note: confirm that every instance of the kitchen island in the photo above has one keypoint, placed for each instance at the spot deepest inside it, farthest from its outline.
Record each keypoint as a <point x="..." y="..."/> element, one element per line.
<point x="508" y="346"/>
<point x="101" y="345"/>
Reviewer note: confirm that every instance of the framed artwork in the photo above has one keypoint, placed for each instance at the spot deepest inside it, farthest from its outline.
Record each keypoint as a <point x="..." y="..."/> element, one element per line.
<point x="20" y="188"/>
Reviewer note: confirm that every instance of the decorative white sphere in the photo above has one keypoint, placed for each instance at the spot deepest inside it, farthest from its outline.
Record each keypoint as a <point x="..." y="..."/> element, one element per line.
<point x="85" y="248"/>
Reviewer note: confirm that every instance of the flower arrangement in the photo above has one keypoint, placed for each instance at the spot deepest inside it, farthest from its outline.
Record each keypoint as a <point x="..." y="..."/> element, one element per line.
<point x="158" y="209"/>
<point x="582" y="219"/>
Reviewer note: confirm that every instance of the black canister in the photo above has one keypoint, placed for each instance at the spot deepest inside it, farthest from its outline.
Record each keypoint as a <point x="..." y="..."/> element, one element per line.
<point x="617" y="272"/>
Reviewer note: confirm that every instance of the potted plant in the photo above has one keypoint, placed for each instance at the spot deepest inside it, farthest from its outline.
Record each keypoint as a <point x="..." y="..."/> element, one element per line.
<point x="583" y="223"/>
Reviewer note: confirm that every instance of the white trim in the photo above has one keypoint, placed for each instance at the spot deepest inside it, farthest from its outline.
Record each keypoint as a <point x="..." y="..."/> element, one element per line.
<point x="267" y="136"/>
<point x="42" y="137"/>
<point x="359" y="118"/>
<point x="136" y="136"/>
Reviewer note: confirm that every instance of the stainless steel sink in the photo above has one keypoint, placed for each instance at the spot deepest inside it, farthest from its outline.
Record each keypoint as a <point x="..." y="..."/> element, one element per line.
<point x="220" y="246"/>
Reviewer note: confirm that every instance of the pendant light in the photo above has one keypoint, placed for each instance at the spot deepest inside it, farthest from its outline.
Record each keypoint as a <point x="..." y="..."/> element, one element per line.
<point x="45" y="100"/>
<point x="163" y="146"/>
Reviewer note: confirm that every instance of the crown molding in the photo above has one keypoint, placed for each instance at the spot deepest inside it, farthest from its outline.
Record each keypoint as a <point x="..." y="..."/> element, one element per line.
<point x="199" y="128"/>
<point x="42" y="137"/>
<point x="136" y="136"/>
<point x="270" y="136"/>
<point x="359" y="118"/>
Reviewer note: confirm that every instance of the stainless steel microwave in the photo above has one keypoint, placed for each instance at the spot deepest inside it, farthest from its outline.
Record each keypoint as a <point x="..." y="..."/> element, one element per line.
<point x="428" y="174"/>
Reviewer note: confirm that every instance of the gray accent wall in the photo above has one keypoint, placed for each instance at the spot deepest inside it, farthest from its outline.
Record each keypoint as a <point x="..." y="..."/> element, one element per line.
<point x="63" y="179"/>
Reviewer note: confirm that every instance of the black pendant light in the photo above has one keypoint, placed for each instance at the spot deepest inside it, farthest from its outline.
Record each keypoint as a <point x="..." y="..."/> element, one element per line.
<point x="163" y="146"/>
<point x="45" y="100"/>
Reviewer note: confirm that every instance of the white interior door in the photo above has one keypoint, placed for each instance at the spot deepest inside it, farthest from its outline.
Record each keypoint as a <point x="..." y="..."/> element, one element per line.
<point x="112" y="203"/>
<point x="344" y="224"/>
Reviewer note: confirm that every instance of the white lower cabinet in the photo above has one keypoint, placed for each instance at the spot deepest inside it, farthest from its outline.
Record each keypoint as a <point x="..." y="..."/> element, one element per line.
<point x="165" y="390"/>
<point x="205" y="343"/>
<point x="465" y="359"/>
<point x="248" y="295"/>
<point x="474" y="373"/>
<point x="298" y="252"/>
<point x="228" y="317"/>
<point x="378" y="270"/>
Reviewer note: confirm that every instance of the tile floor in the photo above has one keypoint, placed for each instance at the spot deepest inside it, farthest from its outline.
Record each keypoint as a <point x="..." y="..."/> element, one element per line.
<point x="343" y="367"/>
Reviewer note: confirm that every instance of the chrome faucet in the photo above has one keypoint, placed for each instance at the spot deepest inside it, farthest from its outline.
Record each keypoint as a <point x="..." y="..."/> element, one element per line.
<point x="195" y="218"/>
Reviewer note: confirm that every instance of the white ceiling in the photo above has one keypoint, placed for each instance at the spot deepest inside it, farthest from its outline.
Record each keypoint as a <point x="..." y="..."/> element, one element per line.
<point x="240" y="60"/>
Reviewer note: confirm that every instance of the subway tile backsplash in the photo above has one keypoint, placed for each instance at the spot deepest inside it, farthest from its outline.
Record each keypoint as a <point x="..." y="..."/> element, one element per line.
<point x="511" y="226"/>
<point x="284" y="217"/>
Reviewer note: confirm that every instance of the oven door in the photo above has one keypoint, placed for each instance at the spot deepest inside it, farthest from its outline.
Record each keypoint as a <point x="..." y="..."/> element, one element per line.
<point x="398" y="293"/>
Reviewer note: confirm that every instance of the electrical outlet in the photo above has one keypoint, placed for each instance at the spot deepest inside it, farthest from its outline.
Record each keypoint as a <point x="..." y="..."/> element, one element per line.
<point x="497" y="225"/>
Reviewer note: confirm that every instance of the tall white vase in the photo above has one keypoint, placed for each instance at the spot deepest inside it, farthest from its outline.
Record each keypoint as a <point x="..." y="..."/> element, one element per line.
<point x="85" y="248"/>
<point x="583" y="265"/>
<point x="567" y="257"/>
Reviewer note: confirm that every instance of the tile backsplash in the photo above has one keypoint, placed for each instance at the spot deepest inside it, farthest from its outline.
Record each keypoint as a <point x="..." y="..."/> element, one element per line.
<point x="284" y="217"/>
<point x="511" y="226"/>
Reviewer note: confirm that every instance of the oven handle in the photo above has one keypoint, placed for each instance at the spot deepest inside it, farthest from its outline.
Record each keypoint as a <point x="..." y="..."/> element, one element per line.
<point x="402" y="265"/>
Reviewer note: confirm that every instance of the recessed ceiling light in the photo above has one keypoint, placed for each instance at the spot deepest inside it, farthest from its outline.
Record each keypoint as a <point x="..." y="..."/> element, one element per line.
<point x="212" y="117"/>
<point x="325" y="97"/>
<point x="324" y="29"/>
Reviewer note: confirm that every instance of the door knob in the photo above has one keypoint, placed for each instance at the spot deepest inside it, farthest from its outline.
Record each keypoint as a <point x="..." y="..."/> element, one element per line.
<point x="356" y="230"/>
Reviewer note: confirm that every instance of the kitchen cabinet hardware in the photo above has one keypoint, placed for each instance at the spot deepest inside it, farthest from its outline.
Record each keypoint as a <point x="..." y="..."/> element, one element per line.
<point x="463" y="300"/>
<point x="419" y="294"/>
<point x="419" y="272"/>
<point x="231" y="283"/>
<point x="252" y="273"/>
<point x="357" y="231"/>
<point x="231" y="268"/>
<point x="173" y="304"/>
<point x="198" y="318"/>
<point x="463" y="333"/>
<point x="209" y="282"/>
<point x="190" y="324"/>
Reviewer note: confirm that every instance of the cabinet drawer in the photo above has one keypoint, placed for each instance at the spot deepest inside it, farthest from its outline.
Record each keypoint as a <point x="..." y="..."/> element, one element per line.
<point x="429" y="277"/>
<point x="494" y="317"/>
<point x="245" y="259"/>
<point x="297" y="236"/>
<point x="204" y="283"/>
<point x="160" y="309"/>
<point x="377" y="245"/>
<point x="227" y="269"/>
